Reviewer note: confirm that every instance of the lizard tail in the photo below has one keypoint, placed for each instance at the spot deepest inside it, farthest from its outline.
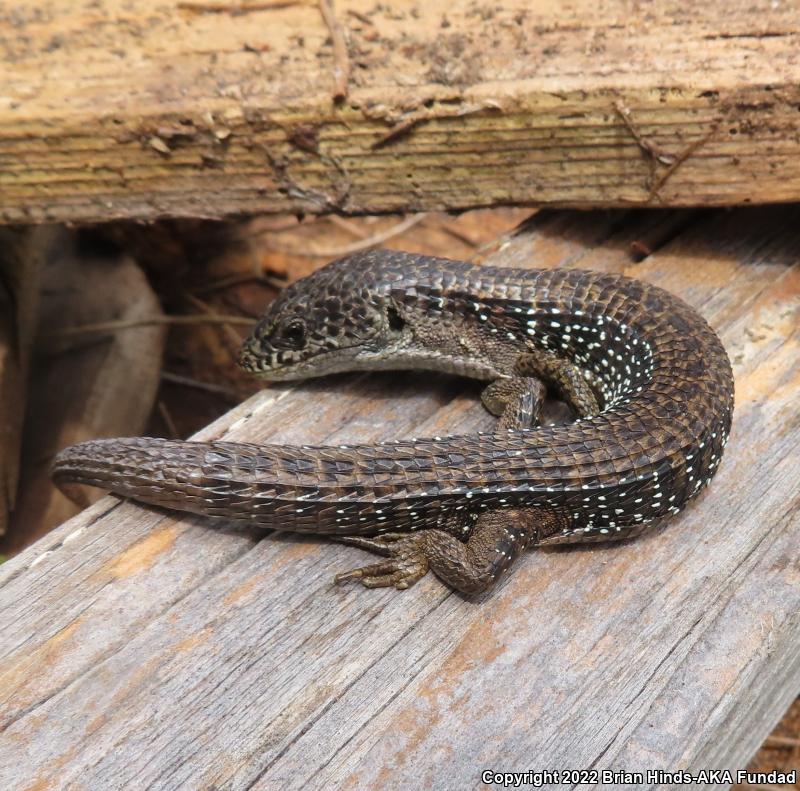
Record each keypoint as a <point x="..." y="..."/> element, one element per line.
<point x="283" y="486"/>
<point x="200" y="477"/>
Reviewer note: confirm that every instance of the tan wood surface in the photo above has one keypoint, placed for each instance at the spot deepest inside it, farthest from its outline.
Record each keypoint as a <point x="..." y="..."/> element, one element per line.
<point x="146" y="650"/>
<point x="161" y="107"/>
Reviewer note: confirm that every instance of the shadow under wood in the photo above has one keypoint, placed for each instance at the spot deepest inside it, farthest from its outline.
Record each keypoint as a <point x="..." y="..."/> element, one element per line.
<point x="103" y="386"/>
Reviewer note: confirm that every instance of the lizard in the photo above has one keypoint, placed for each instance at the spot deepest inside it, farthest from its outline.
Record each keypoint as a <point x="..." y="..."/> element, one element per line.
<point x="648" y="380"/>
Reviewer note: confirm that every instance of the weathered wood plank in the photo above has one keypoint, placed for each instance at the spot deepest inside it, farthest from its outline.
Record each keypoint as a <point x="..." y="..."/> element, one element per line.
<point x="171" y="108"/>
<point x="182" y="656"/>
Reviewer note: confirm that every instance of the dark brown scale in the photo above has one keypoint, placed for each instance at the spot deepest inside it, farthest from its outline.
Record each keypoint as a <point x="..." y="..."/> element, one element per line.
<point x="648" y="378"/>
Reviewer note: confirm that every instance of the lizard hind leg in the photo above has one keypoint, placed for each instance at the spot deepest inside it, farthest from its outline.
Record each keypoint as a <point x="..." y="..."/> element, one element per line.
<point x="497" y="537"/>
<point x="470" y="567"/>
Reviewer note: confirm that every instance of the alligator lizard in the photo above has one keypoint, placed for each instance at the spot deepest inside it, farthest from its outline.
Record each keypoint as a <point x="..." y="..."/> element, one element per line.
<point x="649" y="382"/>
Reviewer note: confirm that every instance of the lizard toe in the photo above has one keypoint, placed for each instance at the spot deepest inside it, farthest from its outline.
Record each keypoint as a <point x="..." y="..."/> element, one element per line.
<point x="407" y="564"/>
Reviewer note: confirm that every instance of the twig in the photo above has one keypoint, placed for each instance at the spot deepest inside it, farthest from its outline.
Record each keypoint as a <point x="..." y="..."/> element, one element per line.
<point x="289" y="225"/>
<point x="168" y="421"/>
<point x="782" y="741"/>
<point x="341" y="58"/>
<point x="400" y="128"/>
<point x="681" y="158"/>
<point x="656" y="154"/>
<point x="235" y="9"/>
<point x="187" y="381"/>
<point x="209" y="311"/>
<point x="360" y="17"/>
<point x="126" y="324"/>
<point x="346" y="225"/>
<point x="460" y="235"/>
<point x="640" y="250"/>
<point x="411" y="119"/>
<point x="375" y="239"/>
<point x="363" y="244"/>
<point x="237" y="280"/>
<point x="651" y="149"/>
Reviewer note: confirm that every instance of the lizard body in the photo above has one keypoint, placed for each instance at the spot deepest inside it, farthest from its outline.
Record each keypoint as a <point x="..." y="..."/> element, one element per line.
<point x="648" y="378"/>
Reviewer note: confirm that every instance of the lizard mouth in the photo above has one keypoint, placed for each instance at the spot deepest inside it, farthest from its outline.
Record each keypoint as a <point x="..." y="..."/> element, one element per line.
<point x="272" y="364"/>
<point x="281" y="365"/>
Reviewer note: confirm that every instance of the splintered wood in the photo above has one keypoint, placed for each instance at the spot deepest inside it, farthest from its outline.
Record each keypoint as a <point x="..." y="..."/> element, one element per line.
<point x="208" y="109"/>
<point x="149" y="650"/>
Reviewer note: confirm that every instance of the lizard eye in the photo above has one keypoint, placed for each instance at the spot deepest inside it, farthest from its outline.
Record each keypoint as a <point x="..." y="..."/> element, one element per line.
<point x="293" y="334"/>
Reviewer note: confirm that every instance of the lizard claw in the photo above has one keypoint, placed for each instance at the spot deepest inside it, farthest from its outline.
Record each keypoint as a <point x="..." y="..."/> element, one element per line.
<point x="405" y="564"/>
<point x="380" y="545"/>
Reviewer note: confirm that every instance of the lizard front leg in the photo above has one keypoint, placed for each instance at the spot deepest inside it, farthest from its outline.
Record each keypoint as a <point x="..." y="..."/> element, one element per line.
<point x="518" y="399"/>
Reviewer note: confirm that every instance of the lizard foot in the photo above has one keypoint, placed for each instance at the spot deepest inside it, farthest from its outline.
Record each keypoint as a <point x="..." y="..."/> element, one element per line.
<point x="406" y="561"/>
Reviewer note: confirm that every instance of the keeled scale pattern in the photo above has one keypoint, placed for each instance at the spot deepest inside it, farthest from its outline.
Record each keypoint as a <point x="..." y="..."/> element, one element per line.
<point x="661" y="372"/>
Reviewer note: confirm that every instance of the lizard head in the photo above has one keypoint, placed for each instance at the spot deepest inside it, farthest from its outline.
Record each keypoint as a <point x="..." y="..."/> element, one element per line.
<point x="340" y="318"/>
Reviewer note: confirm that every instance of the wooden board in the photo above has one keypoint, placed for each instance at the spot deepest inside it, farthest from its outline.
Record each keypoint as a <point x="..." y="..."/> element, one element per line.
<point x="141" y="649"/>
<point x="206" y="108"/>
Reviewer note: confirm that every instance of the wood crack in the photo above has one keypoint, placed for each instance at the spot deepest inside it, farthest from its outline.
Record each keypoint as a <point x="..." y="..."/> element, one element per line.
<point x="364" y="672"/>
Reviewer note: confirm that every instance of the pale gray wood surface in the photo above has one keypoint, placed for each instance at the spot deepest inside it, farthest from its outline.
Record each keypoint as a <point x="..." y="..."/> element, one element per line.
<point x="142" y="650"/>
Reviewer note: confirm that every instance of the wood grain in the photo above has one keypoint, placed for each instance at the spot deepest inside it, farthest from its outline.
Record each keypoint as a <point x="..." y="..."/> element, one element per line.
<point x="165" y="108"/>
<point x="150" y="651"/>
